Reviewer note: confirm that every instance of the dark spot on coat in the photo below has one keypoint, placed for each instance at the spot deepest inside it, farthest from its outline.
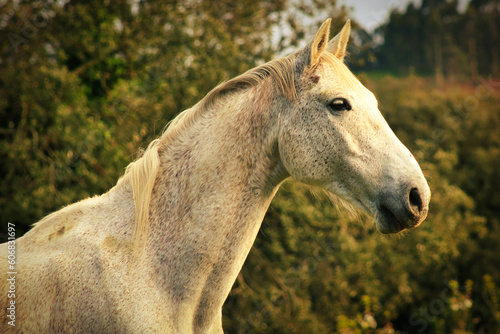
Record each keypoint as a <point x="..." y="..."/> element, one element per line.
<point x="60" y="231"/>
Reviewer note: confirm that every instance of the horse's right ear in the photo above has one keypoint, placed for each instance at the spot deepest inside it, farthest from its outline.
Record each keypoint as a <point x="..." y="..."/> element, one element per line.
<point x="309" y="56"/>
<point x="319" y="42"/>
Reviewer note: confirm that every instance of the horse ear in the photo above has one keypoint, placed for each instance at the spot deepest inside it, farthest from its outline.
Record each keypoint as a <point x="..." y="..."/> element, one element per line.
<point x="338" y="44"/>
<point x="320" y="41"/>
<point x="309" y="55"/>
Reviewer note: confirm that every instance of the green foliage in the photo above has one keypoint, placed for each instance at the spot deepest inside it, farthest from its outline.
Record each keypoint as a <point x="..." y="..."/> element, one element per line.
<point x="437" y="38"/>
<point x="83" y="85"/>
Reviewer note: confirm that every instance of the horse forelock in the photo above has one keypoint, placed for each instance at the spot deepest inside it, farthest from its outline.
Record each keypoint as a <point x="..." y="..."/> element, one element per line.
<point x="341" y="69"/>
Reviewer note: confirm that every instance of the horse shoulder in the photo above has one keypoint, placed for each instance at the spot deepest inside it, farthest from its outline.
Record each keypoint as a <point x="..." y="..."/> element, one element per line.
<point x="67" y="254"/>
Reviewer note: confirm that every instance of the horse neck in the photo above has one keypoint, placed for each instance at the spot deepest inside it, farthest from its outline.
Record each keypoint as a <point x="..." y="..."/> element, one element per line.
<point x="214" y="186"/>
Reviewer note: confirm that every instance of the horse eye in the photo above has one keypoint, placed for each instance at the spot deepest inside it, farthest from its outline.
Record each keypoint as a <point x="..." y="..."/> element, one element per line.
<point x="339" y="104"/>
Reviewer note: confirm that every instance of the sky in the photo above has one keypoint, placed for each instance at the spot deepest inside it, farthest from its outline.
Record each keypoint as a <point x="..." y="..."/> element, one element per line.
<point x="372" y="13"/>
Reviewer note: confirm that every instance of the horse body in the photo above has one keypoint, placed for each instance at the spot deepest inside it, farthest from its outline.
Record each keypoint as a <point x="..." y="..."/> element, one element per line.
<point x="208" y="210"/>
<point x="117" y="263"/>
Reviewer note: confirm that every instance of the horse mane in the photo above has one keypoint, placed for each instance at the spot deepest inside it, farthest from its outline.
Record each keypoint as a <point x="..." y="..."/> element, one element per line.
<point x="142" y="173"/>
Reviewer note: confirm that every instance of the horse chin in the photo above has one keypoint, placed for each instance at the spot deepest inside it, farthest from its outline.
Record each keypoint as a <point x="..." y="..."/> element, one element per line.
<point x="392" y="228"/>
<point x="387" y="223"/>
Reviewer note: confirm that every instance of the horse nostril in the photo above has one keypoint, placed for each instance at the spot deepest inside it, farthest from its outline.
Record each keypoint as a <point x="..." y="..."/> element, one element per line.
<point x="415" y="201"/>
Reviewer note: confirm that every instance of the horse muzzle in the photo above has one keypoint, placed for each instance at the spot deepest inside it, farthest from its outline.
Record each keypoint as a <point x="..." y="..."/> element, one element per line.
<point x="402" y="210"/>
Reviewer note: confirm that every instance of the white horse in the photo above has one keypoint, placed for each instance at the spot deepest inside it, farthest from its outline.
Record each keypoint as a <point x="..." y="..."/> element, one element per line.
<point x="160" y="251"/>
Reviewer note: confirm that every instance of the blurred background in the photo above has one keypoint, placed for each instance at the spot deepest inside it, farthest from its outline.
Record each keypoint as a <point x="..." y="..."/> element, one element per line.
<point x="85" y="84"/>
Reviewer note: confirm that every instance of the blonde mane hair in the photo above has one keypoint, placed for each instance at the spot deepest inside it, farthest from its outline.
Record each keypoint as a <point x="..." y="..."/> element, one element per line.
<point x="141" y="174"/>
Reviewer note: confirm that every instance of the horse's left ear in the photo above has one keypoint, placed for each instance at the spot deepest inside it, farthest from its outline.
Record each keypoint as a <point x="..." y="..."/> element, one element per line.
<point x="338" y="44"/>
<point x="320" y="41"/>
